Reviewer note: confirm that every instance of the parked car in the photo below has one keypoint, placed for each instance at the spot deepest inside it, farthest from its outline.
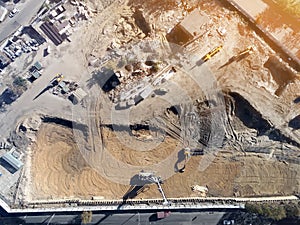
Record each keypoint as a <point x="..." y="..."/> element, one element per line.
<point x="163" y="214"/>
<point x="13" y="12"/>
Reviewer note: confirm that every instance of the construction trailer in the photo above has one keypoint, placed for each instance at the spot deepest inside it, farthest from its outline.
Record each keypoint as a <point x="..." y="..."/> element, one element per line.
<point x="12" y="161"/>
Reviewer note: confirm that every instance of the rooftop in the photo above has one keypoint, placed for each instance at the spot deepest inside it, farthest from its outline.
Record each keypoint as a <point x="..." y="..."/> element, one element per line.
<point x="11" y="160"/>
<point x="38" y="65"/>
<point x="36" y="74"/>
<point x="194" y="22"/>
<point x="189" y="28"/>
<point x="79" y="94"/>
<point x="253" y="7"/>
<point x="3" y="13"/>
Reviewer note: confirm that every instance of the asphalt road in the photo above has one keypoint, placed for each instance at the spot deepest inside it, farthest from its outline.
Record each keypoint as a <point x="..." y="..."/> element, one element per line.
<point x="176" y="218"/>
<point x="27" y="11"/>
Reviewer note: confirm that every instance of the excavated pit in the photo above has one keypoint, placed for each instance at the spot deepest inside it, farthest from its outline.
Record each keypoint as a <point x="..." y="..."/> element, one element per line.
<point x="253" y="119"/>
<point x="66" y="123"/>
<point x="250" y="117"/>
<point x="280" y="73"/>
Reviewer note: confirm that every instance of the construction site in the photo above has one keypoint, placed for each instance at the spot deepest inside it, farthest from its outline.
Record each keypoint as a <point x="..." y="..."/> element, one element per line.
<point x="181" y="99"/>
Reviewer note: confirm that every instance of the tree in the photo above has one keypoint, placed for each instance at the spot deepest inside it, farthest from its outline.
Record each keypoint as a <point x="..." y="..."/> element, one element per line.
<point x="21" y="82"/>
<point x="278" y="213"/>
<point x="275" y="212"/>
<point x="86" y="217"/>
<point x="292" y="210"/>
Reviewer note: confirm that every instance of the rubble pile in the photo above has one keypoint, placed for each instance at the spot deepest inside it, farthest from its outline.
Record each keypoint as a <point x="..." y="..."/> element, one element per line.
<point x="127" y="28"/>
<point x="133" y="77"/>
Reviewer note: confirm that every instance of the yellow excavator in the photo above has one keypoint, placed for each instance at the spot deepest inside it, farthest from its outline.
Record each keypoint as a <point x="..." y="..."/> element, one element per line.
<point x="56" y="80"/>
<point x="249" y="50"/>
<point x="211" y="53"/>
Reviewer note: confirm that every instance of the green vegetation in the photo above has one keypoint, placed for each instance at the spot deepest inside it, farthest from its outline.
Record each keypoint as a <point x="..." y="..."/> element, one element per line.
<point x="290" y="6"/>
<point x="21" y="82"/>
<point x="275" y="211"/>
<point x="19" y="86"/>
<point x="86" y="217"/>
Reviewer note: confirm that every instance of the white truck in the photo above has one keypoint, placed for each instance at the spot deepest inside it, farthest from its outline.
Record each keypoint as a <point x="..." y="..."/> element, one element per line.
<point x="13" y="12"/>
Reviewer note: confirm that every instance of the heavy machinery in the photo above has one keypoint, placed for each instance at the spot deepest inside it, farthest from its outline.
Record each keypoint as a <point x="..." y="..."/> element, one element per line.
<point x="191" y="152"/>
<point x="249" y="50"/>
<point x="51" y="84"/>
<point x="57" y="79"/>
<point x="188" y="153"/>
<point x="211" y="53"/>
<point x="151" y="178"/>
<point x="241" y="55"/>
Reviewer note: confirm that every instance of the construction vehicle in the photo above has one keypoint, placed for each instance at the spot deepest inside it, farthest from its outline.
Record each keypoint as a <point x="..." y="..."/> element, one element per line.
<point x="192" y="152"/>
<point x="188" y="153"/>
<point x="243" y="54"/>
<point x="56" y="79"/>
<point x="151" y="178"/>
<point x="211" y="53"/>
<point x="249" y="50"/>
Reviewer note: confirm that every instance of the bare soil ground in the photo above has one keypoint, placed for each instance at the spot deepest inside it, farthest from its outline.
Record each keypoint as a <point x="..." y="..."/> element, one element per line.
<point x="133" y="157"/>
<point x="58" y="169"/>
<point x="64" y="173"/>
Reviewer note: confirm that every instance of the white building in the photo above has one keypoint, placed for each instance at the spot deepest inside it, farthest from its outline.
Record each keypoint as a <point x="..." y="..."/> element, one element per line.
<point x="3" y="13"/>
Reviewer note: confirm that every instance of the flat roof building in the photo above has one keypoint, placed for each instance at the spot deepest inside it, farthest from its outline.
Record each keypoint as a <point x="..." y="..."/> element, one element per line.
<point x="79" y="94"/>
<point x="35" y="74"/>
<point x="145" y="93"/>
<point x="4" y="61"/>
<point x="3" y="13"/>
<point x="12" y="161"/>
<point x="38" y="66"/>
<point x="63" y="27"/>
<point x="189" y="28"/>
<point x="253" y="7"/>
<point x="52" y="33"/>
